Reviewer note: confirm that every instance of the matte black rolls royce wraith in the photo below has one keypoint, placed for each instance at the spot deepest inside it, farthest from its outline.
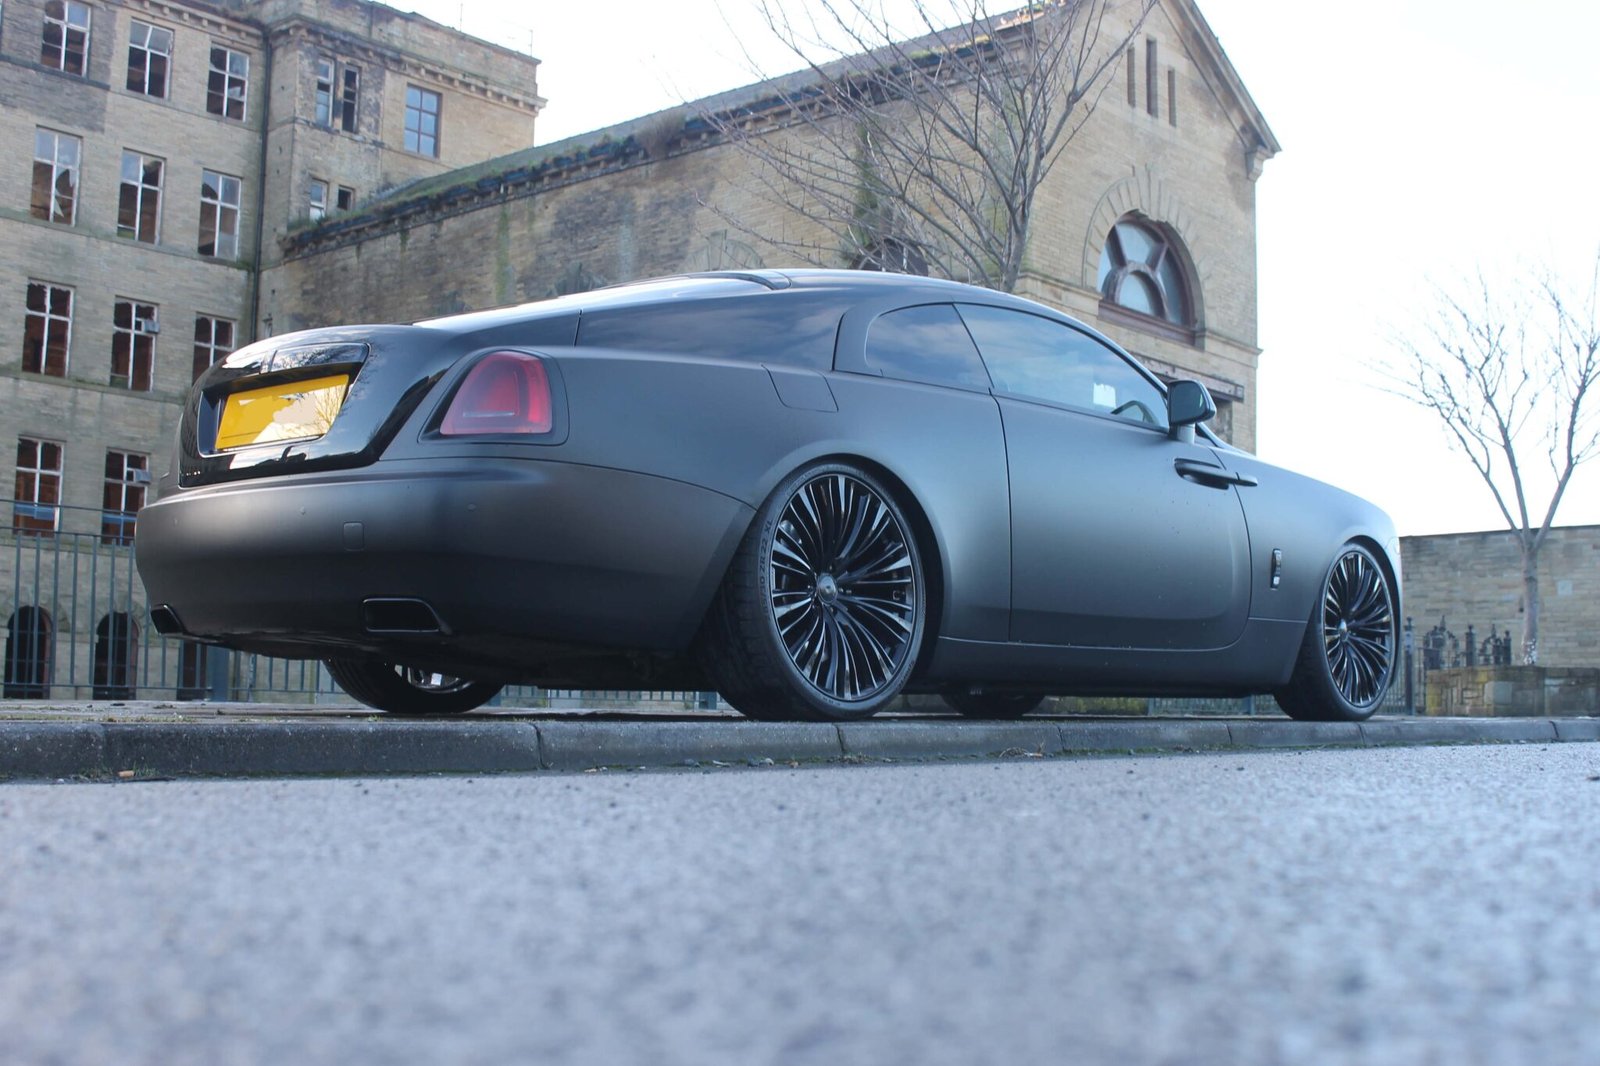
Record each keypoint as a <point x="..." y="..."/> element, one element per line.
<point x="809" y="490"/>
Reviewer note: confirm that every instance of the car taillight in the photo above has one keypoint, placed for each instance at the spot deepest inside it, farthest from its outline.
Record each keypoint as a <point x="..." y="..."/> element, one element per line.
<point x="506" y="392"/>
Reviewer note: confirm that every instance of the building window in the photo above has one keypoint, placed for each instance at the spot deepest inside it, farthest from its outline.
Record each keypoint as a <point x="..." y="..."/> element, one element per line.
<point x="422" y="121"/>
<point x="149" y="56"/>
<point x="1152" y="98"/>
<point x="139" y="209"/>
<point x="213" y="339"/>
<point x="891" y="254"/>
<point x="133" y="345"/>
<point x="30" y="646"/>
<point x="219" y="215"/>
<point x="127" y="481"/>
<point x="1172" y="96"/>
<point x="36" y="506"/>
<point x="317" y="200"/>
<point x="1133" y="78"/>
<point x="227" y="83"/>
<point x="349" y="98"/>
<point x="66" y="37"/>
<point x="116" y="640"/>
<point x="47" y="334"/>
<point x="342" y="112"/>
<point x="1141" y="270"/>
<point x="56" y="157"/>
<point x="192" y="683"/>
<point x="345" y="198"/>
<point x="324" y="98"/>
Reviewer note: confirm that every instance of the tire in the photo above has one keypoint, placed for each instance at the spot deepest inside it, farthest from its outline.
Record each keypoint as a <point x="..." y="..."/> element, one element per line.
<point x="1347" y="657"/>
<point x="405" y="690"/>
<point x="993" y="705"/>
<point x="824" y="605"/>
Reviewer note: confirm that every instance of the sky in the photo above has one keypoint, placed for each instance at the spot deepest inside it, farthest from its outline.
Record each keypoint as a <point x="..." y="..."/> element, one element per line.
<point x="1424" y="142"/>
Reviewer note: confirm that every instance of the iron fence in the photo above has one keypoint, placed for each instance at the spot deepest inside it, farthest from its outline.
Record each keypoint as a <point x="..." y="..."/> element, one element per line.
<point x="77" y="627"/>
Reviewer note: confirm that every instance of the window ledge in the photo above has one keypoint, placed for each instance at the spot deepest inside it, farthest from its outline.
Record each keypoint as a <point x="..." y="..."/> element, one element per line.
<point x="1159" y="327"/>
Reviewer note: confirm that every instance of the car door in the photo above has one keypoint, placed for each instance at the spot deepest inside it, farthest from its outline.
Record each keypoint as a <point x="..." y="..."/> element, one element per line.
<point x="1121" y="535"/>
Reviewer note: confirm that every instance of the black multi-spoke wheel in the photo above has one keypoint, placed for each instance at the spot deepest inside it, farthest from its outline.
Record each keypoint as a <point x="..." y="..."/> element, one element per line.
<point x="823" y="609"/>
<point x="1347" y="658"/>
<point x="408" y="690"/>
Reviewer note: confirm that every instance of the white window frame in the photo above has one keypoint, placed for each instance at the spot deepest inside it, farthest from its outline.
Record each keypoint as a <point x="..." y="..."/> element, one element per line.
<point x="224" y="237"/>
<point x="57" y="168"/>
<point x="226" y="72"/>
<point x="147" y="46"/>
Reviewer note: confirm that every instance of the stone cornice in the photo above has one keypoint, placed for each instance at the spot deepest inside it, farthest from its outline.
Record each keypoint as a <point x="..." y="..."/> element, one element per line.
<point x="341" y="42"/>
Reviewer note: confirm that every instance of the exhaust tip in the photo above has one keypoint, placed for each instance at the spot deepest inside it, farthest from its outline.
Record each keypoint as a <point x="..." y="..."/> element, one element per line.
<point x="166" y="621"/>
<point x="396" y="614"/>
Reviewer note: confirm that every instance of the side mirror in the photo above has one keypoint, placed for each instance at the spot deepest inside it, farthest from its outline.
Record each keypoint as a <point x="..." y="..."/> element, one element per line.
<point x="1188" y="404"/>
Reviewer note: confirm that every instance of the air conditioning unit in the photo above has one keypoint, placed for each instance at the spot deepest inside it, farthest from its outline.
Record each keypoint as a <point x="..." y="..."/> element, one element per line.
<point x="146" y="325"/>
<point x="138" y="477"/>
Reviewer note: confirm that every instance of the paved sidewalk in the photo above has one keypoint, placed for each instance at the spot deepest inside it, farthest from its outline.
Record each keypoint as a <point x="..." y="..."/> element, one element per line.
<point x="141" y="740"/>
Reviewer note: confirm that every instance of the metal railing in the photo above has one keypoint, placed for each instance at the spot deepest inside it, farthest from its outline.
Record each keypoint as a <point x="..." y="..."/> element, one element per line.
<point x="78" y="627"/>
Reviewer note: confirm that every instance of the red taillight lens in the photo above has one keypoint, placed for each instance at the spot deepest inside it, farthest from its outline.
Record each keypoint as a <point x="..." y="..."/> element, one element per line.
<point x="506" y="392"/>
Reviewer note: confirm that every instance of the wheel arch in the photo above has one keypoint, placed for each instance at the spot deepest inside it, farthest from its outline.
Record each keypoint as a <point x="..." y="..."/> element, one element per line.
<point x="922" y="527"/>
<point x="928" y="544"/>
<point x="1391" y="574"/>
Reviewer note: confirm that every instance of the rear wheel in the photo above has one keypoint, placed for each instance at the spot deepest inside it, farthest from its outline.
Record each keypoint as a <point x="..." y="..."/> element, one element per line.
<point x="1347" y="657"/>
<point x="823" y="608"/>
<point x="407" y="690"/>
<point x="993" y="704"/>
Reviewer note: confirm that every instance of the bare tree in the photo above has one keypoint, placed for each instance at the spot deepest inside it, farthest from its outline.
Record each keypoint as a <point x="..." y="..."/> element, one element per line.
<point x="925" y="152"/>
<point x="1511" y="381"/>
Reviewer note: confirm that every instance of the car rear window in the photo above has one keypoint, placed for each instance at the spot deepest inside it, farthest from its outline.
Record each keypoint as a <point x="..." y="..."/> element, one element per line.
<point x="786" y="328"/>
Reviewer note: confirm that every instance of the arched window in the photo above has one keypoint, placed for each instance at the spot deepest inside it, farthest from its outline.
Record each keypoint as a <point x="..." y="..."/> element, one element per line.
<point x="115" y="640"/>
<point x="1141" y="271"/>
<point x="192" y="680"/>
<point x="30" y="642"/>
<point x="893" y="255"/>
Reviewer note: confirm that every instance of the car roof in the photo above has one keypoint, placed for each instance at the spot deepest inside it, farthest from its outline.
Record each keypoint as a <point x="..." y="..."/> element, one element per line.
<point x="723" y="283"/>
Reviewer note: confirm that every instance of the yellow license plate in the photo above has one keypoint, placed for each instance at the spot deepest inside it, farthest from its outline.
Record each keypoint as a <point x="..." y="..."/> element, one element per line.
<point x="298" y="410"/>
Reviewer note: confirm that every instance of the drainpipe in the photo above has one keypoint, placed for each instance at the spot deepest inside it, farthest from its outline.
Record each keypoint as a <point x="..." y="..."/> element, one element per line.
<point x="261" y="190"/>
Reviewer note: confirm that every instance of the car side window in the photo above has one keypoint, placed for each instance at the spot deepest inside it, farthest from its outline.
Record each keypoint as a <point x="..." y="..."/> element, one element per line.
<point x="927" y="344"/>
<point x="1039" y="358"/>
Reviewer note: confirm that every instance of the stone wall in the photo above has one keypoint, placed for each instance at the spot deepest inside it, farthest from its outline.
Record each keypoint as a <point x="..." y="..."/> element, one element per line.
<point x="1514" y="692"/>
<point x="1476" y="578"/>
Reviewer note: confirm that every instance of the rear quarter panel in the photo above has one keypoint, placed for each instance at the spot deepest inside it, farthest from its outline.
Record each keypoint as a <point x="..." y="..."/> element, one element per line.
<point x="723" y="425"/>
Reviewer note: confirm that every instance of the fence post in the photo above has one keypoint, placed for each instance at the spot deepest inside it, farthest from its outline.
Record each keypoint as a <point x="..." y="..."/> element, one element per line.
<point x="1411" y="670"/>
<point x="219" y="671"/>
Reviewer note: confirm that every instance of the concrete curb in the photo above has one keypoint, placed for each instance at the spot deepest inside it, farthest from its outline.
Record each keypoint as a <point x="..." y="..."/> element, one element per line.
<point x="46" y="750"/>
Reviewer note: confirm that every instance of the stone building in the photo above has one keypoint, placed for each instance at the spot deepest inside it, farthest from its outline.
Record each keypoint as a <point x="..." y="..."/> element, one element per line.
<point x="162" y="150"/>
<point x="1167" y="162"/>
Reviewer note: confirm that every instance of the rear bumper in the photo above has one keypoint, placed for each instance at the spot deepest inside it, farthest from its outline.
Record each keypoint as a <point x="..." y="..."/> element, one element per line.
<point x="503" y="551"/>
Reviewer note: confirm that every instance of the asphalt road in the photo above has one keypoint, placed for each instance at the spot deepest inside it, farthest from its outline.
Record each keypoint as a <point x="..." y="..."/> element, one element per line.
<point x="1412" y="905"/>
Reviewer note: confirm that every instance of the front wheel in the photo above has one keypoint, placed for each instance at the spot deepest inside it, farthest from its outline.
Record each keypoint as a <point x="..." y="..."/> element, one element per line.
<point x="822" y="611"/>
<point x="1347" y="657"/>
<point x="407" y="690"/>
